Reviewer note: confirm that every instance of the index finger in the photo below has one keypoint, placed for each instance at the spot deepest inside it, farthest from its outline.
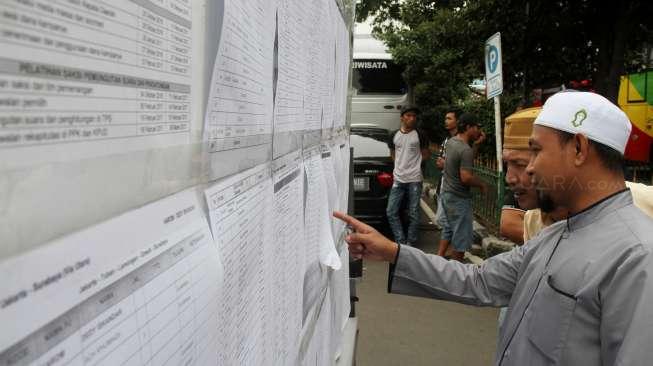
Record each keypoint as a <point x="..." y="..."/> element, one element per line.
<point x="357" y="225"/>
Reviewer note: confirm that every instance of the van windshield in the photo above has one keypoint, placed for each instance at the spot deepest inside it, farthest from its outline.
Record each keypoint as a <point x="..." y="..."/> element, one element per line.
<point x="378" y="77"/>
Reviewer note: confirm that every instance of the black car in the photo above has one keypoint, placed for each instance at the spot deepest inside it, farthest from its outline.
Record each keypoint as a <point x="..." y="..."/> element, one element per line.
<point x="372" y="173"/>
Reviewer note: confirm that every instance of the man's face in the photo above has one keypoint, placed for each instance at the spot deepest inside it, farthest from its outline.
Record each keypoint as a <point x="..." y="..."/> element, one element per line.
<point x="409" y="119"/>
<point x="450" y="121"/>
<point x="518" y="180"/>
<point x="550" y="167"/>
<point x="474" y="132"/>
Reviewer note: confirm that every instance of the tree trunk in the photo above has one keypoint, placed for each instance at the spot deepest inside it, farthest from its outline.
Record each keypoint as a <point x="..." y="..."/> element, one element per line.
<point x="612" y="48"/>
<point x="526" y="43"/>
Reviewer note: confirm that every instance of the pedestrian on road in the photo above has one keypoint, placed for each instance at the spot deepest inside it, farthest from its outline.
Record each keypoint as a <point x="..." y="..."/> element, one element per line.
<point x="456" y="196"/>
<point x="580" y="291"/>
<point x="408" y="148"/>
<point x="451" y="125"/>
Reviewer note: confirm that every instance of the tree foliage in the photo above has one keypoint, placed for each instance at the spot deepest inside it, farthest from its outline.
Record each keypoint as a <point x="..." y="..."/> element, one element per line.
<point x="544" y="44"/>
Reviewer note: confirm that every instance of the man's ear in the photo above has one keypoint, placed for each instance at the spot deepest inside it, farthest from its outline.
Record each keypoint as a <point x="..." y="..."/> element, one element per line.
<point x="582" y="147"/>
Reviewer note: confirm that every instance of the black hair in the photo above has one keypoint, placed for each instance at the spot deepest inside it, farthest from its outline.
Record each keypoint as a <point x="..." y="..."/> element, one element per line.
<point x="457" y="112"/>
<point x="611" y="159"/>
<point x="467" y="120"/>
<point x="410" y="109"/>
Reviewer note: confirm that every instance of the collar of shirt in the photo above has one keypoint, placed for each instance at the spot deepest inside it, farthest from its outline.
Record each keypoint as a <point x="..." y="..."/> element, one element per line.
<point x="598" y="209"/>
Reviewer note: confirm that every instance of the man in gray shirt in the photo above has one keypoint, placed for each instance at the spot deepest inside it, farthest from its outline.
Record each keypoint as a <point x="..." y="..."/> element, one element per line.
<point x="456" y="197"/>
<point x="451" y="125"/>
<point x="580" y="292"/>
<point x="408" y="147"/>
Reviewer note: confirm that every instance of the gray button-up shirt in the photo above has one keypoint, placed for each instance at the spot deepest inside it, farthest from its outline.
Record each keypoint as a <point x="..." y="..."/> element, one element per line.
<point x="580" y="292"/>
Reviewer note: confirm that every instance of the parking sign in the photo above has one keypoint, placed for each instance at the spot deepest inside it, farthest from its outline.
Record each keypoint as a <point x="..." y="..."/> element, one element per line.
<point x="493" y="68"/>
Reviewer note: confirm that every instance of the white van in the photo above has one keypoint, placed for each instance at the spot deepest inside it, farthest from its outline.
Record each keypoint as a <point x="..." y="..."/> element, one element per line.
<point x="379" y="89"/>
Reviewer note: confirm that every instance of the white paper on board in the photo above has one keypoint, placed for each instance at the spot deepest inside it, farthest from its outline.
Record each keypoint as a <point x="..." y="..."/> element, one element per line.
<point x="327" y="41"/>
<point x="328" y="162"/>
<point x="82" y="79"/>
<point x="122" y="292"/>
<point x="292" y="66"/>
<point x="238" y="119"/>
<point x="343" y="66"/>
<point x="313" y="89"/>
<point x="240" y="212"/>
<point x="342" y="149"/>
<point x="287" y="259"/>
<point x="341" y="297"/>
<point x="317" y="214"/>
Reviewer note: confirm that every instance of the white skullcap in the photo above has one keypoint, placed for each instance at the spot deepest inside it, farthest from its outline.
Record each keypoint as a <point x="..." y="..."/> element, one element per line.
<point x="589" y="114"/>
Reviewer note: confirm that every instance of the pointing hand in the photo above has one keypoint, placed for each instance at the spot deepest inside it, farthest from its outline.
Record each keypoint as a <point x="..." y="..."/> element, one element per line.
<point x="367" y="243"/>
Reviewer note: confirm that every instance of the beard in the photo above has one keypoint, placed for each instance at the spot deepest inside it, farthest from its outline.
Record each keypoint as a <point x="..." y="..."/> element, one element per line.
<point x="545" y="202"/>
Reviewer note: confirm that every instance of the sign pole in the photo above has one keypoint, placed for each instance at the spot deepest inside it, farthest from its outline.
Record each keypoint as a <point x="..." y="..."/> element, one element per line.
<point x="494" y="88"/>
<point x="497" y="132"/>
<point x="499" y="145"/>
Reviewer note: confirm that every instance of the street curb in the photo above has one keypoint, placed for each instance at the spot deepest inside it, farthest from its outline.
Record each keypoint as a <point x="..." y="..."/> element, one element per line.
<point x="429" y="213"/>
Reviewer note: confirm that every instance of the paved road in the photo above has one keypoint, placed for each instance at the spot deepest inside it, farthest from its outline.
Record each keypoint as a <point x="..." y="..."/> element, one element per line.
<point x="404" y="330"/>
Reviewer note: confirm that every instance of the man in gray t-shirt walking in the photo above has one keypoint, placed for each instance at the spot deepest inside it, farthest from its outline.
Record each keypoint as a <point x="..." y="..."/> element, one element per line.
<point x="408" y="147"/>
<point x="456" y="196"/>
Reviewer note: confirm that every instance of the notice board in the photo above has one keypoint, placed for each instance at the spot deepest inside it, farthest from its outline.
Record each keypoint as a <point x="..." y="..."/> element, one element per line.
<point x="168" y="170"/>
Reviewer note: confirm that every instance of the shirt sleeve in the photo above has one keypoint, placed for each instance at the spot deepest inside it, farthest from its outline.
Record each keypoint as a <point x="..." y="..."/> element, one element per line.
<point x="626" y="312"/>
<point x="416" y="273"/>
<point x="467" y="159"/>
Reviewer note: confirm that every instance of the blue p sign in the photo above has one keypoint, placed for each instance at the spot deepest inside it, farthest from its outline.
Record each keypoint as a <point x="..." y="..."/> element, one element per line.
<point x="492" y="58"/>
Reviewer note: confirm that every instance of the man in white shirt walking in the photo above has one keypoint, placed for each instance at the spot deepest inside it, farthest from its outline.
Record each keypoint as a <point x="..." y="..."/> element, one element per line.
<point x="408" y="148"/>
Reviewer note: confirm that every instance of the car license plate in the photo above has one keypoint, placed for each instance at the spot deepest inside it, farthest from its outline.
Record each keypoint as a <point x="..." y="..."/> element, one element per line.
<point x="361" y="184"/>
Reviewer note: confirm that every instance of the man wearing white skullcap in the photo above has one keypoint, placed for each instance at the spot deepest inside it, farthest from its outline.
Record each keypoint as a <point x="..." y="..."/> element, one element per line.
<point x="587" y="113"/>
<point x="581" y="291"/>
